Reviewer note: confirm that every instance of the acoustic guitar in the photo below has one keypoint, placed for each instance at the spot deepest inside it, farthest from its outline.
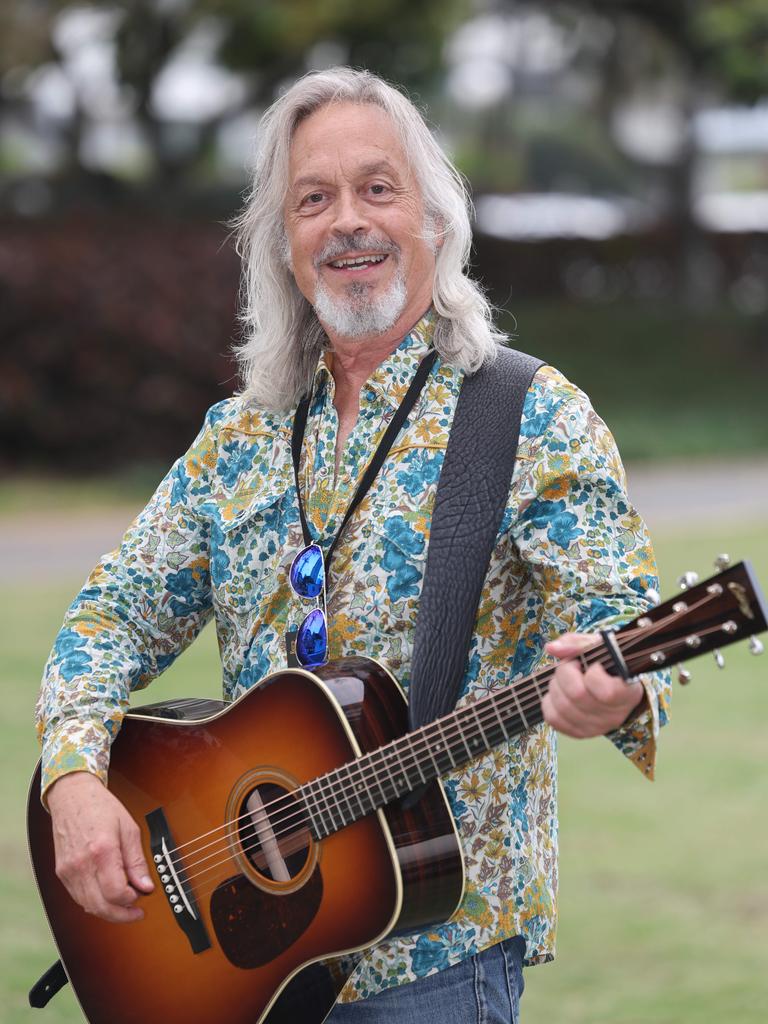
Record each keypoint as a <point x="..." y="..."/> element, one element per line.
<point x="302" y="821"/>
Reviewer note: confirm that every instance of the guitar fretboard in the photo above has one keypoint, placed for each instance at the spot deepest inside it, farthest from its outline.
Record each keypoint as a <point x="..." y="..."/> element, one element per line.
<point x="359" y="787"/>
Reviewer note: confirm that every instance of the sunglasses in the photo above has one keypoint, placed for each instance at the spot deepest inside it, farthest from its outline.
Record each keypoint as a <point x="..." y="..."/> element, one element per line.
<point x="307" y="579"/>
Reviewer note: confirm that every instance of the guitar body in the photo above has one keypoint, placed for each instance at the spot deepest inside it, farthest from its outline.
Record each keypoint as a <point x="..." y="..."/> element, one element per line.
<point x="251" y="923"/>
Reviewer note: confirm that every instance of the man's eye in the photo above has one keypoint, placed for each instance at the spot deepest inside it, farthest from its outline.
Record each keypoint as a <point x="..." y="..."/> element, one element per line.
<point x="314" y="198"/>
<point x="378" y="189"/>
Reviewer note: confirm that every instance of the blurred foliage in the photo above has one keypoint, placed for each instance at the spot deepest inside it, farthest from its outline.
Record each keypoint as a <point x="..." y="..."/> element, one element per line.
<point x="267" y="43"/>
<point x="116" y="338"/>
<point x="118" y="333"/>
<point x="726" y="42"/>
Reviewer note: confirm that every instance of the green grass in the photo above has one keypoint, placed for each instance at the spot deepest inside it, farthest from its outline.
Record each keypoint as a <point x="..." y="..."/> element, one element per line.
<point x="664" y="895"/>
<point x="671" y="383"/>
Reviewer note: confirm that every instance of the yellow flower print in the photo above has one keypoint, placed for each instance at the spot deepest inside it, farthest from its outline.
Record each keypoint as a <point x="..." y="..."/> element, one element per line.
<point x="472" y="788"/>
<point x="425" y="429"/>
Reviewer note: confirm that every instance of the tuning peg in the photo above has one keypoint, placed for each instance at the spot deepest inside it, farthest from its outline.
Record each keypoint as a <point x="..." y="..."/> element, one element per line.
<point x="755" y="645"/>
<point x="683" y="675"/>
<point x="688" y="580"/>
<point x="723" y="562"/>
<point x="719" y="659"/>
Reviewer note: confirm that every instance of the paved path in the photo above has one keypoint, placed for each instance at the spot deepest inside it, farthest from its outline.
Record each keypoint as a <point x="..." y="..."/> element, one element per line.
<point x="673" y="498"/>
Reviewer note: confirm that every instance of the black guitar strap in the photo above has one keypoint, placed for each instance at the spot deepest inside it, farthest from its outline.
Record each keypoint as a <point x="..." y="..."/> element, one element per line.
<point x="472" y="493"/>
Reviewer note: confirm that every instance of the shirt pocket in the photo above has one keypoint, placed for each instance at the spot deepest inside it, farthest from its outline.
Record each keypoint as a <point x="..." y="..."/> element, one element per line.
<point x="251" y="528"/>
<point x="398" y="514"/>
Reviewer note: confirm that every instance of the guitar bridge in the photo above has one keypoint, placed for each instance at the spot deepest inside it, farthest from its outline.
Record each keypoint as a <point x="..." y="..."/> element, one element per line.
<point x="174" y="882"/>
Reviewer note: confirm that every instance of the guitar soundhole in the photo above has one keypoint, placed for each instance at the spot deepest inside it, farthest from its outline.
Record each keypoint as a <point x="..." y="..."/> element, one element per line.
<point x="273" y="834"/>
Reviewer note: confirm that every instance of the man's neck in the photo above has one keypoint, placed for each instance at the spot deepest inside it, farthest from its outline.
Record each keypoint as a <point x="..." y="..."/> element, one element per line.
<point x="352" y="362"/>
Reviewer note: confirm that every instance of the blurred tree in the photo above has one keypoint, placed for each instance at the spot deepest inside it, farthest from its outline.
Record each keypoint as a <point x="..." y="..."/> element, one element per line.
<point x="266" y="44"/>
<point x="720" y="51"/>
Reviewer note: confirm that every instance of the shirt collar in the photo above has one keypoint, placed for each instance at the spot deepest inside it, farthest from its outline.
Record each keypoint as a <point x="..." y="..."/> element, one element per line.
<point x="391" y="379"/>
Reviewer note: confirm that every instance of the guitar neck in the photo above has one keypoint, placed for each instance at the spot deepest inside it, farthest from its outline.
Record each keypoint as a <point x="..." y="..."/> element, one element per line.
<point x="726" y="608"/>
<point x="360" y="787"/>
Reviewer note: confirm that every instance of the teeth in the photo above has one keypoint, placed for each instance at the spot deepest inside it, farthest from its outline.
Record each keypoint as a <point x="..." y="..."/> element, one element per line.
<point x="357" y="261"/>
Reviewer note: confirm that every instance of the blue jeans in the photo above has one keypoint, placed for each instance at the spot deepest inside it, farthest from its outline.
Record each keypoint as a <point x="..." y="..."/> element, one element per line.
<point x="483" y="989"/>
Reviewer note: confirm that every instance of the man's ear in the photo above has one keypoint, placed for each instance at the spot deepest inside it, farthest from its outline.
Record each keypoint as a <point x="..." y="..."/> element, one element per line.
<point x="433" y="232"/>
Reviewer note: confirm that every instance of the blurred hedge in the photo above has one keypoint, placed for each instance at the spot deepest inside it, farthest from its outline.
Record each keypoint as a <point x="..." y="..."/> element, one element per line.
<point x="116" y="333"/>
<point x="116" y="336"/>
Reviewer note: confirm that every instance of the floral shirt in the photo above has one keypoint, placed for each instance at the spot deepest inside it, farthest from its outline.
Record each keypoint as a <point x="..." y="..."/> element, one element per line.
<point x="217" y="539"/>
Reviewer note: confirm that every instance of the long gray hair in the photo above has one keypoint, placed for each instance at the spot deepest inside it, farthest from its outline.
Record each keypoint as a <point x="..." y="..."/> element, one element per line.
<point x="282" y="335"/>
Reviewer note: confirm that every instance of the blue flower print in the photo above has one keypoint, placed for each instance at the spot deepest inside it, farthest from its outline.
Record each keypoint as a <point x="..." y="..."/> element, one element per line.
<point x="404" y="536"/>
<point x="404" y="583"/>
<point x="67" y="650"/>
<point x="428" y="955"/>
<point x="190" y="589"/>
<point x="536" y="415"/>
<point x="219" y="561"/>
<point x="181" y="482"/>
<point x="421" y="468"/>
<point x="561" y="524"/>
<point x="237" y="458"/>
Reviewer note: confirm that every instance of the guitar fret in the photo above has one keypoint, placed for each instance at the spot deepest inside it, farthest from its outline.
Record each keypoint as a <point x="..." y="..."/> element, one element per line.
<point x="357" y="786"/>
<point x="460" y="729"/>
<point x="416" y="763"/>
<point x="494" y="706"/>
<point x="309" y="789"/>
<point x="428" y="742"/>
<point x="336" y="808"/>
<point x="328" y="809"/>
<point x="446" y="746"/>
<point x="305" y="793"/>
<point x="377" y="780"/>
<point x="343" y="789"/>
<point x="519" y="706"/>
<point x="473" y="709"/>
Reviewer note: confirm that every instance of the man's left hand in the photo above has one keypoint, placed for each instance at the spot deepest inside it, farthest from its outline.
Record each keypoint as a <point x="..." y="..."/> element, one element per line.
<point x="586" y="703"/>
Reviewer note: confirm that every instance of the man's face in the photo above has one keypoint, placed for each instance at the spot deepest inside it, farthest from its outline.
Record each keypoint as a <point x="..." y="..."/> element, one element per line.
<point x="351" y="195"/>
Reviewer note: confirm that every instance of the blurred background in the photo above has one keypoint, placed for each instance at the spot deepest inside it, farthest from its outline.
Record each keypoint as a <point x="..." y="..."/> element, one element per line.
<point x="617" y="152"/>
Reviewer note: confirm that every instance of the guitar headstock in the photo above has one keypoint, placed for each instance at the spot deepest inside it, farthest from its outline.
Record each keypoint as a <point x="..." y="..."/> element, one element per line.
<point x="704" y="617"/>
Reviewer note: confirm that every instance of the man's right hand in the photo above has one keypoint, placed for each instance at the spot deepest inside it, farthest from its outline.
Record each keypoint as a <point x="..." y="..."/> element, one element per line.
<point x="98" y="848"/>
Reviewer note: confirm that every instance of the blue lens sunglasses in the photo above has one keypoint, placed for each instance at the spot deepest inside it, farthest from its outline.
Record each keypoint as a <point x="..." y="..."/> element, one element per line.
<point x="307" y="575"/>
<point x="307" y="579"/>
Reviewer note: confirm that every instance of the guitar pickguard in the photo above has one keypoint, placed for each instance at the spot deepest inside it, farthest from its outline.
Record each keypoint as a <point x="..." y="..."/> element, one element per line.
<point x="254" y="927"/>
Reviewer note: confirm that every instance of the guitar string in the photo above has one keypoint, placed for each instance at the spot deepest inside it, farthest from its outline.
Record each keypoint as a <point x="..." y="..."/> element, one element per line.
<point x="481" y="716"/>
<point x="628" y="640"/>
<point x="293" y="832"/>
<point x="291" y="797"/>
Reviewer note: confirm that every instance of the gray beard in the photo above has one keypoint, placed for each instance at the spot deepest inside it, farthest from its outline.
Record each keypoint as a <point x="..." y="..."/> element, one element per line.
<point x="358" y="314"/>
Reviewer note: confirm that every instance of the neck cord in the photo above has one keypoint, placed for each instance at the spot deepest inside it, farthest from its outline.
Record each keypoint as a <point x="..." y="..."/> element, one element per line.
<point x="401" y="413"/>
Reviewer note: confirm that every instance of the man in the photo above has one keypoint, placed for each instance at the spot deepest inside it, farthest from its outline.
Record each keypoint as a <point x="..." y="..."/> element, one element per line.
<point x="355" y="238"/>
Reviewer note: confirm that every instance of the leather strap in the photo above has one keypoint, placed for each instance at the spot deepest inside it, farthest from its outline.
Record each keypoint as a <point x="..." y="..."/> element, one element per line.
<point x="46" y="987"/>
<point x="472" y="494"/>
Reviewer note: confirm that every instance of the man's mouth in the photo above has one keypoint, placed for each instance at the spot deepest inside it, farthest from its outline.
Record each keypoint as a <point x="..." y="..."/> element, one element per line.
<point x="357" y="262"/>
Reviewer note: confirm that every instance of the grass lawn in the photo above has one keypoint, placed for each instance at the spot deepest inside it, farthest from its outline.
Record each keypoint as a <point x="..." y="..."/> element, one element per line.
<point x="670" y="382"/>
<point x="664" y="894"/>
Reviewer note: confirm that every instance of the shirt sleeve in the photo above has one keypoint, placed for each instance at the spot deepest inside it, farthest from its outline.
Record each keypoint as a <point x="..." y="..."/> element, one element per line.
<point x="142" y="605"/>
<point x="585" y="546"/>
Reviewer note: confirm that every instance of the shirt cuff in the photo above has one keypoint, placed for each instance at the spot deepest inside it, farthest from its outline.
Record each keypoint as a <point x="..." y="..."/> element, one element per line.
<point x="637" y="737"/>
<point x="77" y="745"/>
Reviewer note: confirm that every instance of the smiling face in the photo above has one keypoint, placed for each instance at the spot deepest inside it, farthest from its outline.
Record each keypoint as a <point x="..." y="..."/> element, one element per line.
<point x="355" y="222"/>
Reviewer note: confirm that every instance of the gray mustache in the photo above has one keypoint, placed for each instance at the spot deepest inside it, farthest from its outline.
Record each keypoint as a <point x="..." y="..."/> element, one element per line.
<point x="354" y="243"/>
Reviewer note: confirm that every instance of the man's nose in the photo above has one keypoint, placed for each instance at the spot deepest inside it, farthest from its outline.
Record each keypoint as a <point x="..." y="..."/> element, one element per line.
<point x="350" y="214"/>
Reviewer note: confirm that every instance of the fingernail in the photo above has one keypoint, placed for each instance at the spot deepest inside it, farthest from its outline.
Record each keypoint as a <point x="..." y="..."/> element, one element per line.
<point x="146" y="881"/>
